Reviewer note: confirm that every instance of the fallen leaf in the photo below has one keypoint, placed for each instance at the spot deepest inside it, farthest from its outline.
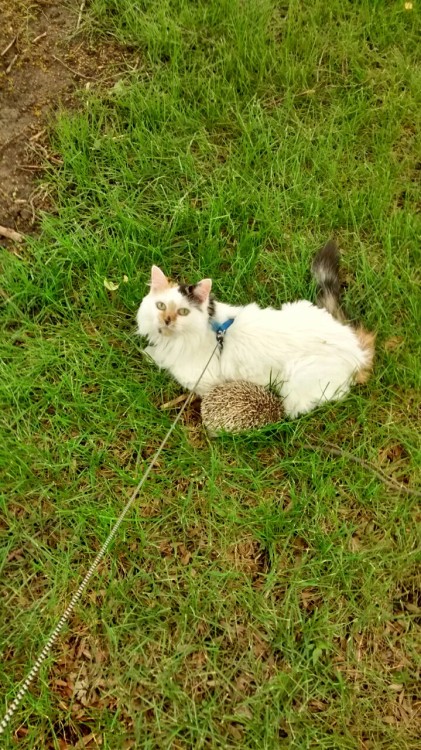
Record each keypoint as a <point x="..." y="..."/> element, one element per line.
<point x="166" y="548"/>
<point x="125" y="279"/>
<point x="244" y="712"/>
<point x="61" y="683"/>
<point x="111" y="285"/>
<point x="16" y="554"/>
<point x="198" y="658"/>
<point x="236" y="732"/>
<point x="310" y="598"/>
<point x="355" y="544"/>
<point x="412" y="608"/>
<point x="185" y="555"/>
<point x="391" y="453"/>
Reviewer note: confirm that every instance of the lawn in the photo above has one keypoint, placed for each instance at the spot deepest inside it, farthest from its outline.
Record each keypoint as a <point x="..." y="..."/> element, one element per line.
<point x="260" y="595"/>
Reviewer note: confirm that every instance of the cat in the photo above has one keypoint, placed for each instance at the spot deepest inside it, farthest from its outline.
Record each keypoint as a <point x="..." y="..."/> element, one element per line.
<point x="310" y="354"/>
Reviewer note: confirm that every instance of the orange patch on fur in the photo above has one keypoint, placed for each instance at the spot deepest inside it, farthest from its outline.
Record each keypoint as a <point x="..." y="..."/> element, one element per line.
<point x="170" y="312"/>
<point x="367" y="341"/>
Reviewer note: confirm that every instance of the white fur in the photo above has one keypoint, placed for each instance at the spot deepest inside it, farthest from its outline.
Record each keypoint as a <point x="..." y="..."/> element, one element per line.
<point x="301" y="349"/>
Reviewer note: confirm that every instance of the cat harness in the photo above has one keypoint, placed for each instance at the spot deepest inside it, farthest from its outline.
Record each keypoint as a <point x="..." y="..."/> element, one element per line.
<point x="220" y="330"/>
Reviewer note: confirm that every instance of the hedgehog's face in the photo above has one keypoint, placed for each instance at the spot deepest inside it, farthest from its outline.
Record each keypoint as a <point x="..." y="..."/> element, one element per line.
<point x="172" y="310"/>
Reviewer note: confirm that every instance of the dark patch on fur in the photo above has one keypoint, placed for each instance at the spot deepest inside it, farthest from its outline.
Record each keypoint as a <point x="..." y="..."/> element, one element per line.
<point x="187" y="290"/>
<point x="325" y="266"/>
<point x="325" y="269"/>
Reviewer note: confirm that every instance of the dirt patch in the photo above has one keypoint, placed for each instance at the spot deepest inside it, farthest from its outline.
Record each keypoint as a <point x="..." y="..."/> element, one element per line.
<point x="44" y="59"/>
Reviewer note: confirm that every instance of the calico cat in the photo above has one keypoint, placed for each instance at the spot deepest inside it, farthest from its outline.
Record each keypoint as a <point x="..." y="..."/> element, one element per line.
<point x="309" y="354"/>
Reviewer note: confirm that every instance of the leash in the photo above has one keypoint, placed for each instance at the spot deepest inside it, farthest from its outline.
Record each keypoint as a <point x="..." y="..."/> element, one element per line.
<point x="78" y="593"/>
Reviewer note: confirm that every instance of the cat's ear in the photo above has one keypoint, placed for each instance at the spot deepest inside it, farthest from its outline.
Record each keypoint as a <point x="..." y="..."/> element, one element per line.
<point x="202" y="290"/>
<point x="159" y="281"/>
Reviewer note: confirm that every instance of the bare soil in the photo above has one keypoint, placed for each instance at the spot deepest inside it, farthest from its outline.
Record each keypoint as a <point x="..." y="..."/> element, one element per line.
<point x="45" y="57"/>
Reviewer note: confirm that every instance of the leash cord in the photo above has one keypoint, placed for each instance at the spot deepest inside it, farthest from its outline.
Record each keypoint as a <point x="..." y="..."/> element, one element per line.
<point x="78" y="593"/>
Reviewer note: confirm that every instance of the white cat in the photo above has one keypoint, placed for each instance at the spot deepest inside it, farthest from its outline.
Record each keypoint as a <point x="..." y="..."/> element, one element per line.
<point x="309" y="354"/>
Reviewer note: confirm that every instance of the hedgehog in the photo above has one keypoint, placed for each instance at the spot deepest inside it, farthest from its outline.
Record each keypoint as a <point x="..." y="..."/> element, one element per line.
<point x="238" y="405"/>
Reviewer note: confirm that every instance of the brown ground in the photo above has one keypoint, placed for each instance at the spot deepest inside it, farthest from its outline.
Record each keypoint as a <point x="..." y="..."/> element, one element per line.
<point x="44" y="58"/>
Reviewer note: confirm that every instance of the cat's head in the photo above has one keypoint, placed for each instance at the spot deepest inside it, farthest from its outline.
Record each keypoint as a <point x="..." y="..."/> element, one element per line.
<point x="172" y="309"/>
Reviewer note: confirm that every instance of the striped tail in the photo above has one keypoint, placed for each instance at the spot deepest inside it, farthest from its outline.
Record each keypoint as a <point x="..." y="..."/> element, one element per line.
<point x="325" y="270"/>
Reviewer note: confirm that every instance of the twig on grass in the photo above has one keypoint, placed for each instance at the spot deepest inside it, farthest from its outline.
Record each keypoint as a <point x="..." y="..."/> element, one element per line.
<point x="390" y="482"/>
<point x="11" y="64"/>
<point x="9" y="46"/>
<point x="37" y="135"/>
<point x="79" y="18"/>
<point x="10" y="234"/>
<point x="174" y="401"/>
<point x="71" y="70"/>
<point x="31" y="167"/>
<point x="40" y="36"/>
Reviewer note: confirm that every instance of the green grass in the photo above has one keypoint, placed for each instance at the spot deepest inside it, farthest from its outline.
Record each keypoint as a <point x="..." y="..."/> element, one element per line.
<point x="260" y="595"/>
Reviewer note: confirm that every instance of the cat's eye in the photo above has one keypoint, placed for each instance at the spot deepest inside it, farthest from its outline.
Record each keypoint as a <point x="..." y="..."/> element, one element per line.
<point x="183" y="311"/>
<point x="161" y="306"/>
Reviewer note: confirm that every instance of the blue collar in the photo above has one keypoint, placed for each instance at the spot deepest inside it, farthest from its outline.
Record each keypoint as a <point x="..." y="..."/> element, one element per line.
<point x="220" y="329"/>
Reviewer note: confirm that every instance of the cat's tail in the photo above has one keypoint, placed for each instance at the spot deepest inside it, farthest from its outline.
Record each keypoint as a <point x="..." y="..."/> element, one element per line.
<point x="325" y="270"/>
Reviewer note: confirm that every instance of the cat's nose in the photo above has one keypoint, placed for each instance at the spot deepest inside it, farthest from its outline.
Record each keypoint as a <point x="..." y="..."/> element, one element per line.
<point x="167" y="320"/>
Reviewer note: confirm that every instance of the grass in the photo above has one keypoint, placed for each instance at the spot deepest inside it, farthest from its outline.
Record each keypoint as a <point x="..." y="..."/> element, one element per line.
<point x="260" y="596"/>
